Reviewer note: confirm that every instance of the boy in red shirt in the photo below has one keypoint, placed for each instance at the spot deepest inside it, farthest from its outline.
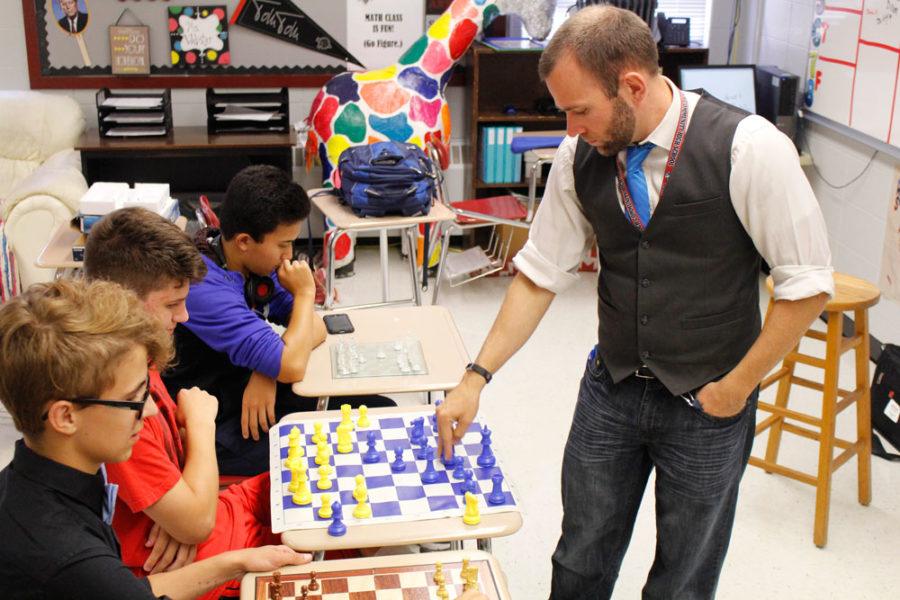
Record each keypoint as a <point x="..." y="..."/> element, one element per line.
<point x="169" y="509"/>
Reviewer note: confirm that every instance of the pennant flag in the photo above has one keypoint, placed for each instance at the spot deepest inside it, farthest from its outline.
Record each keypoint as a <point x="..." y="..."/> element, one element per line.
<point x="283" y="20"/>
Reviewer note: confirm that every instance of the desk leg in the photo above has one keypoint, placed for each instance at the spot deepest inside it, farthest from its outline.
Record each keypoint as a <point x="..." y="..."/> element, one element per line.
<point x="329" y="275"/>
<point x="318" y="555"/>
<point x="383" y="250"/>
<point x="456" y="545"/>
<point x="484" y="544"/>
<point x="411" y="238"/>
<point x="445" y="247"/>
<point x="322" y="403"/>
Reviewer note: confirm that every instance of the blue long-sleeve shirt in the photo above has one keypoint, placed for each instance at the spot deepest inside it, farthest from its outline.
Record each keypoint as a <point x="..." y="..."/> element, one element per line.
<point x="218" y="314"/>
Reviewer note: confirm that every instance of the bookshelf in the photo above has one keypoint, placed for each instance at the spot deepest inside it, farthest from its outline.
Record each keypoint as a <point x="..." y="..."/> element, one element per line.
<point x="502" y="80"/>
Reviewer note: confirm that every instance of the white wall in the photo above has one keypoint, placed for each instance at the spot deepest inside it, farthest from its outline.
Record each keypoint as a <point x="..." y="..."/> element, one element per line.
<point x="856" y="214"/>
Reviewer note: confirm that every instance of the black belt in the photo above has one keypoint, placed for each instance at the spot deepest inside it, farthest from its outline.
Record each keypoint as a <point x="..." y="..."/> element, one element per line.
<point x="644" y="372"/>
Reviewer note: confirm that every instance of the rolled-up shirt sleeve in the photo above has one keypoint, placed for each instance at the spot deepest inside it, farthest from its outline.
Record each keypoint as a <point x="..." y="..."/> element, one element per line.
<point x="560" y="233"/>
<point x="776" y="205"/>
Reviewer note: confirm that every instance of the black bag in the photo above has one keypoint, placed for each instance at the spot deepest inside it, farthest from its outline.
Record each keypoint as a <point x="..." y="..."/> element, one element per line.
<point x="386" y="178"/>
<point x="886" y="401"/>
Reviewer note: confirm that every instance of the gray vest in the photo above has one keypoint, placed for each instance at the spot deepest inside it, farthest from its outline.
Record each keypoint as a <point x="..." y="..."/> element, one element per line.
<point x="682" y="296"/>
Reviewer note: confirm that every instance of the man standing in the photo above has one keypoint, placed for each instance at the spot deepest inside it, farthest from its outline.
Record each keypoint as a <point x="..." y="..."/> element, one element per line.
<point x="682" y="194"/>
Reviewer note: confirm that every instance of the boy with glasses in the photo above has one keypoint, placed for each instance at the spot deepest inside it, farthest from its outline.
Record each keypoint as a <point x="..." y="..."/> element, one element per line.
<point x="74" y="377"/>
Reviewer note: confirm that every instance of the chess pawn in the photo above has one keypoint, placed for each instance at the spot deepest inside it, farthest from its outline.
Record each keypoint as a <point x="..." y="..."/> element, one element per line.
<point x="325" y="509"/>
<point x="363" y="420"/>
<point x="346" y="419"/>
<point x="345" y="440"/>
<point x="317" y="434"/>
<point x="337" y="527"/>
<point x="324" y="482"/>
<point x="322" y="453"/>
<point x="302" y="496"/>
<point x="294" y="434"/>
<point x="313" y="582"/>
<point x="363" y="510"/>
<point x="360" y="490"/>
<point x="298" y="473"/>
<point x="471" y="515"/>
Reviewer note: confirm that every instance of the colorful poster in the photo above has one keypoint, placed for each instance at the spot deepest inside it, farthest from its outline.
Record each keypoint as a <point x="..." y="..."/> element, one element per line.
<point x="284" y="21"/>
<point x="199" y="36"/>
<point x="890" y="260"/>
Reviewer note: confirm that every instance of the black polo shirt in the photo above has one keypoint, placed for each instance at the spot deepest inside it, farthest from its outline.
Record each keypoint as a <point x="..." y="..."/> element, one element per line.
<point x="53" y="541"/>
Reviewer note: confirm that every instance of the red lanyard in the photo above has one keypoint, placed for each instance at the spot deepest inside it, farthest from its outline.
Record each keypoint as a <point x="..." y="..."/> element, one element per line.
<point x="674" y="152"/>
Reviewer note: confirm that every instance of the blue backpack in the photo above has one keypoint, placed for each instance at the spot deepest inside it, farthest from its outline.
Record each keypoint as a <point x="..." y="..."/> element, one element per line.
<point x="386" y="178"/>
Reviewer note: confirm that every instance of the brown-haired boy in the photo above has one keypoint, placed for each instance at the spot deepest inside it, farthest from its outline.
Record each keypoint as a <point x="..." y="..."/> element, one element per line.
<point x="74" y="377"/>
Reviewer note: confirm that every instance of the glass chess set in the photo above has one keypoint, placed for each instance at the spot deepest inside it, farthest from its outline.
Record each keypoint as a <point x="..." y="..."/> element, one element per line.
<point x="397" y="358"/>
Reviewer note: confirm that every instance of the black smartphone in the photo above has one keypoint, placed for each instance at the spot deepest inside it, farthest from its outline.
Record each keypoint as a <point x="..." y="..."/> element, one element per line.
<point x="338" y="323"/>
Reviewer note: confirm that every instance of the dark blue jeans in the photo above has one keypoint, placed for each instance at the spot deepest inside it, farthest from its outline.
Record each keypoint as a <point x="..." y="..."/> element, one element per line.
<point x="620" y="432"/>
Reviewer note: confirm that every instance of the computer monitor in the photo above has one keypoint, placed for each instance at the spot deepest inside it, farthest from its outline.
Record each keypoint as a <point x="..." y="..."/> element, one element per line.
<point x="734" y="84"/>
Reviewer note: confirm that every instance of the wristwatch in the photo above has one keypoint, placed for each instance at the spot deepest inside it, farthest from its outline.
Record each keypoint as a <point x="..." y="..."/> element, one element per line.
<point x="476" y="368"/>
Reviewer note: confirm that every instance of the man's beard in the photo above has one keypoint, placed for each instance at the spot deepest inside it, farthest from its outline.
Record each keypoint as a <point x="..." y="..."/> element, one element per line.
<point x="621" y="129"/>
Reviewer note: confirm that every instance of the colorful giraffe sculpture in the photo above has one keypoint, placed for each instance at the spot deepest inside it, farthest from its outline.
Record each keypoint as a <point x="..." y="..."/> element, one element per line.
<point x="405" y="101"/>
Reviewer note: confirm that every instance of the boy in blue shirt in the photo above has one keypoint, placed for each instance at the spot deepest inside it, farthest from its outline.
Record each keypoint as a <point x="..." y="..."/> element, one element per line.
<point x="227" y="348"/>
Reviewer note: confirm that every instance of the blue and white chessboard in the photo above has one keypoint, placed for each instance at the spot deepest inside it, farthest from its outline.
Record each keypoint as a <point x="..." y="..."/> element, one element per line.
<point x="394" y="497"/>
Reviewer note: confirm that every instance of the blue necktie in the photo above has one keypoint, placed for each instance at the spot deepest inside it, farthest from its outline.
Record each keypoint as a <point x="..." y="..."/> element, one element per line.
<point x="637" y="183"/>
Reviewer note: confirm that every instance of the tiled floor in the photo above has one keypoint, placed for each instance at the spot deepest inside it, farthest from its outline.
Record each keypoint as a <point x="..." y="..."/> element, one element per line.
<point x="529" y="405"/>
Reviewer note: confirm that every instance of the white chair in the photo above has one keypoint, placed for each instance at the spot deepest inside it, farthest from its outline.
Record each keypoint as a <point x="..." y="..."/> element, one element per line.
<point x="40" y="177"/>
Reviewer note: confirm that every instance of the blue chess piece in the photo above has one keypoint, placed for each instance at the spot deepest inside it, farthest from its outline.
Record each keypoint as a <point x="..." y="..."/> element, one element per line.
<point x="459" y="471"/>
<point x="371" y="455"/>
<point x="486" y="459"/>
<point x="469" y="484"/>
<point x="398" y="465"/>
<point x="422" y="452"/>
<point x="497" y="496"/>
<point x="449" y="463"/>
<point x="418" y="431"/>
<point x="337" y="527"/>
<point x="429" y="475"/>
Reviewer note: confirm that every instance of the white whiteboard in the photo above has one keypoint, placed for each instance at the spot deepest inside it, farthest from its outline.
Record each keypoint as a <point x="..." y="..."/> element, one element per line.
<point x="852" y="74"/>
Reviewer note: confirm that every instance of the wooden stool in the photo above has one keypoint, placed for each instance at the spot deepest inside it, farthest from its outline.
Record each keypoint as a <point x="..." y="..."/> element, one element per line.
<point x="850" y="294"/>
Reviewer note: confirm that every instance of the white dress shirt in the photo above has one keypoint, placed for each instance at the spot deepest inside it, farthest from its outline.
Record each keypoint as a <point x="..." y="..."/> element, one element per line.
<point x="769" y="192"/>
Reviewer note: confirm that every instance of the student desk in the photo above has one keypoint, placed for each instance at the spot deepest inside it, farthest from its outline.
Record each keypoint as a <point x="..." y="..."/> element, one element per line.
<point x="443" y="349"/>
<point x="344" y="220"/>
<point x="398" y="576"/>
<point x="401" y="532"/>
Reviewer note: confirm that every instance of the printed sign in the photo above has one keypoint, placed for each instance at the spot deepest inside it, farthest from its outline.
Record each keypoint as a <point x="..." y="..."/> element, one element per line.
<point x="199" y="36"/>
<point x="387" y="28"/>
<point x="129" y="49"/>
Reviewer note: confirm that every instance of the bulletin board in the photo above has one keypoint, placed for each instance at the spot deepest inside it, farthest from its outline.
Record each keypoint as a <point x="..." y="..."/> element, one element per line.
<point x="75" y="53"/>
<point x="852" y="75"/>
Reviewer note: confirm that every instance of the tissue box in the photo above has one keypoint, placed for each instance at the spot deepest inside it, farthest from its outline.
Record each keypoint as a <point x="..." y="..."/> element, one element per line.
<point x="103" y="197"/>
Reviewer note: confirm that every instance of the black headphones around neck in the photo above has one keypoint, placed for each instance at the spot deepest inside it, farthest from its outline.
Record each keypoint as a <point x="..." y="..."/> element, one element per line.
<point x="258" y="289"/>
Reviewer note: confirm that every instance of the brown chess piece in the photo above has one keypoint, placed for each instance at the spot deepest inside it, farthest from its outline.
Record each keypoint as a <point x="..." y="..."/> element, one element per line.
<point x="313" y="583"/>
<point x="304" y="593"/>
<point x="275" y="586"/>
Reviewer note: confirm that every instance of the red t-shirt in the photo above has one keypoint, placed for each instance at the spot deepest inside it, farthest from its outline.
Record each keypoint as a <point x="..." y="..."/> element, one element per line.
<point x="242" y="513"/>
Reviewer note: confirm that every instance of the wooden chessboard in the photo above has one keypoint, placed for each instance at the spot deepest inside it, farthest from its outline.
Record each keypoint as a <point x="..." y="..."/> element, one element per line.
<point x="398" y="577"/>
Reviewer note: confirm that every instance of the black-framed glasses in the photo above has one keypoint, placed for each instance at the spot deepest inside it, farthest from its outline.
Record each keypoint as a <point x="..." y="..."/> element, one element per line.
<point x="136" y="405"/>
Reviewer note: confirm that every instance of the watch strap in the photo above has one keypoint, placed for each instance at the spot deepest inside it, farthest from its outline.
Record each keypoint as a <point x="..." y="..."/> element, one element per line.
<point x="476" y="368"/>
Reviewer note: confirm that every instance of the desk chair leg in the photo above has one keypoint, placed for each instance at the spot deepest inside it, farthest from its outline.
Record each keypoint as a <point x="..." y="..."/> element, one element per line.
<point x="826" y="441"/>
<point x="329" y="275"/>
<point x="383" y="251"/>
<point x="445" y="248"/>
<point x="322" y="403"/>
<point x="411" y="238"/>
<point x="773" y="444"/>
<point x="863" y="409"/>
